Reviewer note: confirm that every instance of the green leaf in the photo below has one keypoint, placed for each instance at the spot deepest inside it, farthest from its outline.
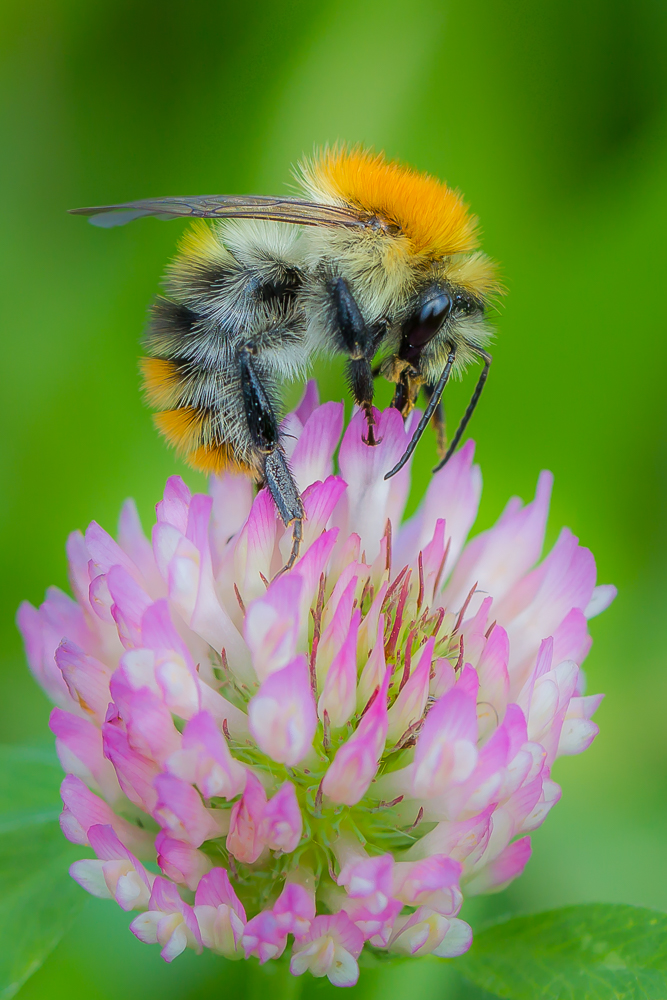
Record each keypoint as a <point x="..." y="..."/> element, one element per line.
<point x="596" y="952"/>
<point x="38" y="899"/>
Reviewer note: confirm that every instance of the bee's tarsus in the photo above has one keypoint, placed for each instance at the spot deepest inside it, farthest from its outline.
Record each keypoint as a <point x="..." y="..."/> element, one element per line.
<point x="370" y="438"/>
<point x="426" y="416"/>
<point x="470" y="410"/>
<point x="297" y="535"/>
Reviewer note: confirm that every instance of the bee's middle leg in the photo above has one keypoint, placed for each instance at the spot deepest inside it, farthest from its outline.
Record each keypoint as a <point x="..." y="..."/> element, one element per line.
<point x="360" y="378"/>
<point x="263" y="428"/>
<point x="359" y="343"/>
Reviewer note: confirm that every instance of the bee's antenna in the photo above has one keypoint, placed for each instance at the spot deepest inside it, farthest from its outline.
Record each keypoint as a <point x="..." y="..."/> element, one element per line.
<point x="426" y="416"/>
<point x="471" y="409"/>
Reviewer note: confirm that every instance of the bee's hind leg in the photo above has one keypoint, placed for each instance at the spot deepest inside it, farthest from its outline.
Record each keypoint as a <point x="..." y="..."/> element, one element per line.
<point x="263" y="428"/>
<point x="283" y="489"/>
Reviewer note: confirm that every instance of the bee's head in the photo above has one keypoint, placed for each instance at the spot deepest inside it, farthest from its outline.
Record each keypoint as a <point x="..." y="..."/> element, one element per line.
<point x="431" y="314"/>
<point x="447" y="311"/>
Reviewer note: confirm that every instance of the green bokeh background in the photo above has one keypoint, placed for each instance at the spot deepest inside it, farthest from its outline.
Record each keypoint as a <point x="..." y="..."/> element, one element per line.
<point x="551" y="117"/>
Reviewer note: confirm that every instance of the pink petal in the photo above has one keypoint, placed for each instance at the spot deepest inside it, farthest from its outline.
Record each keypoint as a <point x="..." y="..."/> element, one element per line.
<point x="148" y="721"/>
<point x="272" y="625"/>
<point x="339" y="696"/>
<point x="263" y="937"/>
<point x="253" y="554"/>
<point x="215" y="889"/>
<point x="370" y="499"/>
<point x="79" y="748"/>
<point x="411" y="701"/>
<point x="374" y="669"/>
<point x="130" y="601"/>
<point x="135" y="772"/>
<point x="356" y="762"/>
<point x="173" y="509"/>
<point x="312" y="458"/>
<point x="180" y="810"/>
<point x="453" y="496"/>
<point x="136" y="546"/>
<point x="494" y="682"/>
<point x="180" y="861"/>
<point x="244" y="840"/>
<point x="84" y="809"/>
<point x="498" y="558"/>
<point x="86" y="677"/>
<point x="282" y="715"/>
<point x="446" y="750"/>
<point x="205" y="760"/>
<point x="41" y="641"/>
<point x="282" y="822"/>
<point x="509" y="864"/>
<point x="294" y="909"/>
<point x="319" y="501"/>
<point x="105" y="553"/>
<point x="601" y="598"/>
<point x="232" y="499"/>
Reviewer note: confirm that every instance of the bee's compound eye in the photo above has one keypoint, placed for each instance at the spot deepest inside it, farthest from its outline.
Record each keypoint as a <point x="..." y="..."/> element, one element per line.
<point x="436" y="308"/>
<point x="423" y="326"/>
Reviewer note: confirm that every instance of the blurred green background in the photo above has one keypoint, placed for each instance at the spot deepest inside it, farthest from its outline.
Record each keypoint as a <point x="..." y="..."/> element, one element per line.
<point x="551" y="117"/>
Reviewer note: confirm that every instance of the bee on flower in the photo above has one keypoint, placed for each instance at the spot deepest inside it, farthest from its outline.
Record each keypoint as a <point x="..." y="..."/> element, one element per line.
<point x="331" y="758"/>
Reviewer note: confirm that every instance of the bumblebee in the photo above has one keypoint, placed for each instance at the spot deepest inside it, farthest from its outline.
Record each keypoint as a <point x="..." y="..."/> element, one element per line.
<point x="375" y="261"/>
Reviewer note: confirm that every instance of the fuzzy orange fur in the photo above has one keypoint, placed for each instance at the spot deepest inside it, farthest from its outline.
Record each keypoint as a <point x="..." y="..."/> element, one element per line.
<point x="161" y="381"/>
<point x="183" y="429"/>
<point x="432" y="216"/>
<point x="215" y="459"/>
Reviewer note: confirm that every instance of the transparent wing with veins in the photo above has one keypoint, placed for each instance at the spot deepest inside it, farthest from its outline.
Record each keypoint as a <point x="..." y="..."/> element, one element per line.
<point x="220" y="206"/>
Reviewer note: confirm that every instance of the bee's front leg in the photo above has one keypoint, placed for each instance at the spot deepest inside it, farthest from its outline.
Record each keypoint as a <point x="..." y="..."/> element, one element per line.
<point x="439" y="423"/>
<point x="264" y="434"/>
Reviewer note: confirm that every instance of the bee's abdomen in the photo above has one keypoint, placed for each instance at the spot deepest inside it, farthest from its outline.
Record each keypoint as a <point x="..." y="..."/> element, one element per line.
<point x="191" y="377"/>
<point x="230" y="285"/>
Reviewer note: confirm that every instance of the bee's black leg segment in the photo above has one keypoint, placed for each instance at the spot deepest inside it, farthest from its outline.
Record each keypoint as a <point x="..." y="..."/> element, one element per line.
<point x="262" y="422"/>
<point x="401" y="399"/>
<point x="283" y="489"/>
<point x="471" y="408"/>
<point x="360" y="343"/>
<point x="263" y="428"/>
<point x="439" y="423"/>
<point x="352" y="328"/>
<point x="360" y="377"/>
<point x="281" y="486"/>
<point x="426" y="416"/>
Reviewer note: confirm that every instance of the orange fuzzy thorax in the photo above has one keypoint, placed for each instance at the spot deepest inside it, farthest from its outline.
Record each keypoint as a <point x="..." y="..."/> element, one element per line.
<point x="431" y="215"/>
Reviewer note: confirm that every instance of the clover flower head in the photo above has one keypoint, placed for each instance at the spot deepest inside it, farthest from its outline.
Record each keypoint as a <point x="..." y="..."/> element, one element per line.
<point x="329" y="758"/>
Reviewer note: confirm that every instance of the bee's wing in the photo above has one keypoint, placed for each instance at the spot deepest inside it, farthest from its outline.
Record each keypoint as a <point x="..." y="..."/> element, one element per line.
<point x="220" y="206"/>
